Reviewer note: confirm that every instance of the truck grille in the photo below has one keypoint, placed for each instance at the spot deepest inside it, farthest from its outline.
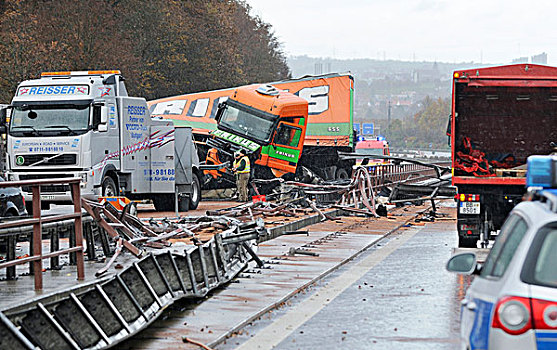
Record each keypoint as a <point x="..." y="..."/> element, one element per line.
<point x="46" y="188"/>
<point x="64" y="159"/>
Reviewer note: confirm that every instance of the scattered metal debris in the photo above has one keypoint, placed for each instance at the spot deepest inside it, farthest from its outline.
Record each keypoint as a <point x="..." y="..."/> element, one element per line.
<point x="293" y="251"/>
<point x="200" y="254"/>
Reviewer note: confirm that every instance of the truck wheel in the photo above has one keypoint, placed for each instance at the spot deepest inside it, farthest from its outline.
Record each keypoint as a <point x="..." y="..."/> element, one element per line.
<point x="109" y="187"/>
<point x="195" y="196"/>
<point x="164" y="202"/>
<point x="466" y="242"/>
<point x="342" y="174"/>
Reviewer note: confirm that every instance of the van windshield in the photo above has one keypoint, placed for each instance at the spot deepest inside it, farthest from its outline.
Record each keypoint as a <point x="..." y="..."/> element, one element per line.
<point x="49" y="120"/>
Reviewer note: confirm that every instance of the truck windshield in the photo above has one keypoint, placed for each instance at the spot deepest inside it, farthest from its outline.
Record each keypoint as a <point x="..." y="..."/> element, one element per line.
<point x="247" y="124"/>
<point x="60" y="119"/>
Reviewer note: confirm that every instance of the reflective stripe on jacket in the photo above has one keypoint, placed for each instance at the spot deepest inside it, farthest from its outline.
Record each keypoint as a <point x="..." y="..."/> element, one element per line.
<point x="237" y="165"/>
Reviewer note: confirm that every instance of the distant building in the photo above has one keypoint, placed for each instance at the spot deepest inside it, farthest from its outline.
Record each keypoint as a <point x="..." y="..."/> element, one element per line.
<point x="520" y="60"/>
<point x="426" y="74"/>
<point x="318" y="68"/>
<point x="540" y="59"/>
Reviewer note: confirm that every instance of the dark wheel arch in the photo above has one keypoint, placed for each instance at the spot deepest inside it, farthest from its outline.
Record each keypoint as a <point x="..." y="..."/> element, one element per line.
<point x="11" y="211"/>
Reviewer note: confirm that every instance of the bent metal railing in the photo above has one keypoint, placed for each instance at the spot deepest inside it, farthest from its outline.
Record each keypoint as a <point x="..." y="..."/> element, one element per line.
<point x="36" y="255"/>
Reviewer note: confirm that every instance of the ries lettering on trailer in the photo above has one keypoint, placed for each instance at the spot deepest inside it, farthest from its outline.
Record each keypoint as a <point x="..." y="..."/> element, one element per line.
<point x="252" y="146"/>
<point x="53" y="90"/>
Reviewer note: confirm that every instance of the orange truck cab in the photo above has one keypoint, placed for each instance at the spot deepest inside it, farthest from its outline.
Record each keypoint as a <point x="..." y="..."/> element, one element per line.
<point x="268" y="123"/>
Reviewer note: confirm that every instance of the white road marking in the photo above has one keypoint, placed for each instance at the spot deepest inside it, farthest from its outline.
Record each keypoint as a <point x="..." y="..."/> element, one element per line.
<point x="281" y="328"/>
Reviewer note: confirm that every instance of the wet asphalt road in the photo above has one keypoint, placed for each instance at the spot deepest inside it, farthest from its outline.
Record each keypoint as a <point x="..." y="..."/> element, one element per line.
<point x="402" y="299"/>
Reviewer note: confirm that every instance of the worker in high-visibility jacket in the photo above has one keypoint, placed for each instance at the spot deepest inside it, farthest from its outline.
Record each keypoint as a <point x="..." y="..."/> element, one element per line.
<point x="241" y="168"/>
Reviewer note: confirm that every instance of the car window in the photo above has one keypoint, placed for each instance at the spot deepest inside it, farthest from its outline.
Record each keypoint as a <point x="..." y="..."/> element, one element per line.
<point x="505" y="246"/>
<point x="496" y="249"/>
<point x="540" y="266"/>
<point x="545" y="270"/>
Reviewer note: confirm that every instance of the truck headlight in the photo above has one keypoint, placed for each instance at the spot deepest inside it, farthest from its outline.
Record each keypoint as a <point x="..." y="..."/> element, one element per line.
<point x="83" y="180"/>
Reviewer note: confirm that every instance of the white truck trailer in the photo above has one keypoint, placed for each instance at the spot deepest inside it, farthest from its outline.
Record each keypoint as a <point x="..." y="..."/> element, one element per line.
<point x="84" y="124"/>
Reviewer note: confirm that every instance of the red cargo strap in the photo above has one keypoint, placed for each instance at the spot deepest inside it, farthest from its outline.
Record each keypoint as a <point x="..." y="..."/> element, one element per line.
<point x="473" y="162"/>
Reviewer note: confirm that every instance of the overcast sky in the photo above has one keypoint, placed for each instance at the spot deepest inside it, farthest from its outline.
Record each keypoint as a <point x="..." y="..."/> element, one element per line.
<point x="488" y="31"/>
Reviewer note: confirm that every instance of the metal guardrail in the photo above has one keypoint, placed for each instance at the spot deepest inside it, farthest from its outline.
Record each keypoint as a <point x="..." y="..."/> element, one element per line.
<point x="407" y="173"/>
<point x="105" y="311"/>
<point x="36" y="255"/>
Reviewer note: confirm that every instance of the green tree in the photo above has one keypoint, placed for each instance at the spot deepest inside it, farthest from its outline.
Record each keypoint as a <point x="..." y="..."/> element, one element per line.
<point x="426" y="127"/>
<point x="163" y="47"/>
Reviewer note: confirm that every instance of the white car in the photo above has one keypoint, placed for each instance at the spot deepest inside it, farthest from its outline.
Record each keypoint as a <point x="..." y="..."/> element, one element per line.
<point x="512" y="303"/>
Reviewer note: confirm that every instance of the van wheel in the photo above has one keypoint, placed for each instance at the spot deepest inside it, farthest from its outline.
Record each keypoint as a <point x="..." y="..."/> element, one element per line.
<point x="109" y="187"/>
<point x="195" y="196"/>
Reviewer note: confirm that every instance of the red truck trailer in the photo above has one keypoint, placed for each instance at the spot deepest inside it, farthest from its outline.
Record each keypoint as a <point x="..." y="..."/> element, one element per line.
<point x="500" y="116"/>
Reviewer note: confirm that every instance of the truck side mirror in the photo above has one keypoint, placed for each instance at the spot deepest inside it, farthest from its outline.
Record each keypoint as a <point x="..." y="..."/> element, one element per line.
<point x="104" y="114"/>
<point x="3" y="113"/>
<point x="103" y="126"/>
<point x="220" y="109"/>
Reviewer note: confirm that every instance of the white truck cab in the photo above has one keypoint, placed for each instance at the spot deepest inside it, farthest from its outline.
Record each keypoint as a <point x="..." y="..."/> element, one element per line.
<point x="84" y="124"/>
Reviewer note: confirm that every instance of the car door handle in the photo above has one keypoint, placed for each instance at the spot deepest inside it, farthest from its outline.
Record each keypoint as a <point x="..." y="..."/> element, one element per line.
<point x="471" y="306"/>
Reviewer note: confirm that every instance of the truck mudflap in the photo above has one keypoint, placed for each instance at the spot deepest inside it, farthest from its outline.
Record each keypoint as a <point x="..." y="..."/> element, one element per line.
<point x="469" y="231"/>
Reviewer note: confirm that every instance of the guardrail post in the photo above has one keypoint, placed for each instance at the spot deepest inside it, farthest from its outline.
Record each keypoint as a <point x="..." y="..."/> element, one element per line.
<point x="10" y="255"/>
<point x="71" y="240"/>
<point x="37" y="244"/>
<point x="78" y="231"/>
<point x="54" y="246"/>
<point x="35" y="240"/>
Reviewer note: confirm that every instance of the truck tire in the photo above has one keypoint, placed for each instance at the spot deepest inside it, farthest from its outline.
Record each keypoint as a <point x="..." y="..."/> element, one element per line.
<point x="342" y="174"/>
<point x="467" y="242"/>
<point x="195" y="196"/>
<point x="109" y="188"/>
<point x="164" y="202"/>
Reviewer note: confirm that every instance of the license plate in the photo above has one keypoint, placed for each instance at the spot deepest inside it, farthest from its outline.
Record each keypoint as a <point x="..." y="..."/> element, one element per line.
<point x="47" y="197"/>
<point x="469" y="208"/>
